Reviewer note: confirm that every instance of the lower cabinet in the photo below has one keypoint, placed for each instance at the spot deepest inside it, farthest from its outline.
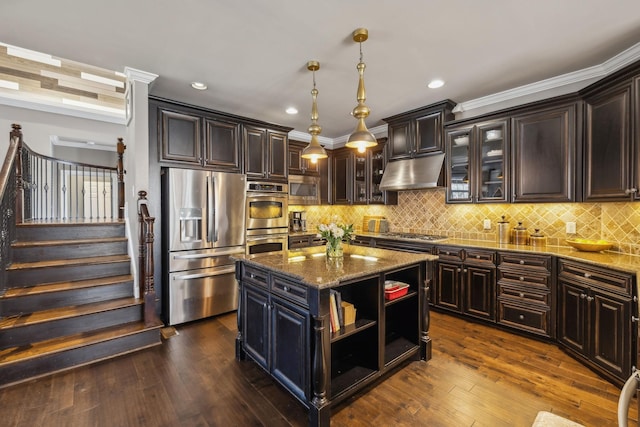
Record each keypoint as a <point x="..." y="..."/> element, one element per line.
<point x="596" y="317"/>
<point x="525" y="293"/>
<point x="466" y="282"/>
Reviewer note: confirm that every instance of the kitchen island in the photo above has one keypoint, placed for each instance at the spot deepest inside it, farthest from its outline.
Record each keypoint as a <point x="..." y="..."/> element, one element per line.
<point x="285" y="326"/>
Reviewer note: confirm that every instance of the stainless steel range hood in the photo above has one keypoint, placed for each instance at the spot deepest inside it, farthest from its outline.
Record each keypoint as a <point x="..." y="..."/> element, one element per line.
<point x="412" y="174"/>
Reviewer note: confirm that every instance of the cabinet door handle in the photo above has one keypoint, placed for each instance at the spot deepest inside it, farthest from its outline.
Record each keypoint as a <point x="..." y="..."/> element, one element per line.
<point x="583" y="296"/>
<point x="285" y="288"/>
<point x="521" y="279"/>
<point x="590" y="299"/>
<point x="630" y="191"/>
<point x="521" y="261"/>
<point x="521" y="295"/>
<point x="634" y="319"/>
<point x="587" y="275"/>
<point x="521" y="317"/>
<point x="477" y="256"/>
<point x="465" y="270"/>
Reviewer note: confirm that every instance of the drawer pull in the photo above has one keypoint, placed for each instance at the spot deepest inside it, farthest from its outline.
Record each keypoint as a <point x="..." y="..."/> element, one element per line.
<point x="477" y="256"/>
<point x="521" y="295"/>
<point x="521" y="279"/>
<point x="465" y="270"/>
<point x="634" y="319"/>
<point x="521" y="317"/>
<point x="447" y="253"/>
<point x="587" y="275"/>
<point x="521" y="261"/>
<point x="285" y="288"/>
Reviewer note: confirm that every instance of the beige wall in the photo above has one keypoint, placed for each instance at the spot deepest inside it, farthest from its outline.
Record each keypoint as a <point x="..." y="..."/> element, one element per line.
<point x="424" y="211"/>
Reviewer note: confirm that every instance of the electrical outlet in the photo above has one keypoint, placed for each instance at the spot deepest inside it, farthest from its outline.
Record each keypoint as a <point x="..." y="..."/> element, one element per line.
<point x="487" y="224"/>
<point x="571" y="227"/>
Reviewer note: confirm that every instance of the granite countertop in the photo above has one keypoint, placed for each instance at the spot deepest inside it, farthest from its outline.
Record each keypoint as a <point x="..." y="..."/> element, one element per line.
<point x="311" y="267"/>
<point x="609" y="259"/>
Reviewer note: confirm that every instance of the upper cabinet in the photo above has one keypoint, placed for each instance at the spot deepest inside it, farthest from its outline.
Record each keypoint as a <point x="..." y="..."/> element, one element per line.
<point x="266" y="153"/>
<point x="608" y="145"/>
<point x="196" y="137"/>
<point x="477" y="165"/>
<point x="419" y="132"/>
<point x="544" y="144"/>
<point x="298" y="165"/>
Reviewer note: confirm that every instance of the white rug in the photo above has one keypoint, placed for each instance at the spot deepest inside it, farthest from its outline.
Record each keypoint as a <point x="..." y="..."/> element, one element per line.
<point x="547" y="419"/>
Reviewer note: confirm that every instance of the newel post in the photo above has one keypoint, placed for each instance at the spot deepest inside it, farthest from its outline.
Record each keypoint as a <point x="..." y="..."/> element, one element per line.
<point x="16" y="134"/>
<point x="120" y="171"/>
<point x="145" y="258"/>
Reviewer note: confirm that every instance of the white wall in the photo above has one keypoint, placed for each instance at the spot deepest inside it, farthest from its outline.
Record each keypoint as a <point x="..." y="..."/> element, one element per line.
<point x="39" y="126"/>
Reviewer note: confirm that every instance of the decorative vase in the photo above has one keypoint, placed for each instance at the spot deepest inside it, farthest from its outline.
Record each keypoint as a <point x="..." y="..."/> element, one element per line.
<point x="335" y="250"/>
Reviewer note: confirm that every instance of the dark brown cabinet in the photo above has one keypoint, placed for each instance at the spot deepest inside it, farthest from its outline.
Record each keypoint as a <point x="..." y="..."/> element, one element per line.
<point x="544" y="144"/>
<point x="298" y="165"/>
<point x="525" y="293"/>
<point x="465" y="281"/>
<point x="325" y="170"/>
<point x="357" y="176"/>
<point x="595" y="317"/>
<point x="477" y="162"/>
<point x="418" y="132"/>
<point x="189" y="138"/>
<point x="266" y="153"/>
<point x="608" y="144"/>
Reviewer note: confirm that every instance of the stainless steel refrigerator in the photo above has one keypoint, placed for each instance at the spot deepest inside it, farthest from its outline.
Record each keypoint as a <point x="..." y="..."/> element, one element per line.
<point x="204" y="215"/>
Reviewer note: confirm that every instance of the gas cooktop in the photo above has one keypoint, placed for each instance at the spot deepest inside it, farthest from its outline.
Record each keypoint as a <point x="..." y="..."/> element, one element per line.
<point x="414" y="236"/>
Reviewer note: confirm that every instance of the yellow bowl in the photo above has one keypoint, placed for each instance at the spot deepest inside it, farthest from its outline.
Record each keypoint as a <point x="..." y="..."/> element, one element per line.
<point x="589" y="245"/>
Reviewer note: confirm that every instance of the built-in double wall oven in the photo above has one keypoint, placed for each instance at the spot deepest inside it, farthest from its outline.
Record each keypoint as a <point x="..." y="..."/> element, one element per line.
<point x="266" y="217"/>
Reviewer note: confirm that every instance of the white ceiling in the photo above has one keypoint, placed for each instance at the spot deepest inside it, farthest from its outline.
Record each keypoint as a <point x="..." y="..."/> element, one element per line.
<point x="252" y="54"/>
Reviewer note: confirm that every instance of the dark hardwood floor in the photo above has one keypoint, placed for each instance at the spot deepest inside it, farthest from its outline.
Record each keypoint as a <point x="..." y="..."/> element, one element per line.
<point x="479" y="376"/>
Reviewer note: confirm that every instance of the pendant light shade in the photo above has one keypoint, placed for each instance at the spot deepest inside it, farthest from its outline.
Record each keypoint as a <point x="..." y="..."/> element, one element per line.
<point x="361" y="138"/>
<point x="314" y="150"/>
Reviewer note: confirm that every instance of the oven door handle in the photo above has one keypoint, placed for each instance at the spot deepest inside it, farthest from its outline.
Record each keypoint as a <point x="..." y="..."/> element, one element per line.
<point x="203" y="275"/>
<point x="260" y="239"/>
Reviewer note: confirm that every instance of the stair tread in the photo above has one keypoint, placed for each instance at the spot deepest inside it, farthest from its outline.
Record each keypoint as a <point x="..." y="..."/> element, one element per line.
<point x="68" y="222"/>
<point x="54" y="345"/>
<point x="70" y="261"/>
<point x="59" y="242"/>
<point x="64" y="286"/>
<point x="67" y="312"/>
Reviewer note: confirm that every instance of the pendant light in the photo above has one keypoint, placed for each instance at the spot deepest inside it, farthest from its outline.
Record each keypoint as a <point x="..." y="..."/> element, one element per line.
<point x="361" y="138"/>
<point x="314" y="150"/>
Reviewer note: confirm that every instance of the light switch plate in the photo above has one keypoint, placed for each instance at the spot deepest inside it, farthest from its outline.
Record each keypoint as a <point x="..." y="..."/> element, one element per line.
<point x="571" y="227"/>
<point x="487" y="224"/>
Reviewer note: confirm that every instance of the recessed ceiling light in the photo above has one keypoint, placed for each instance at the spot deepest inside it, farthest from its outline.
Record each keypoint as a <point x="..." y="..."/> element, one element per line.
<point x="199" y="85"/>
<point x="292" y="110"/>
<point x="434" y="84"/>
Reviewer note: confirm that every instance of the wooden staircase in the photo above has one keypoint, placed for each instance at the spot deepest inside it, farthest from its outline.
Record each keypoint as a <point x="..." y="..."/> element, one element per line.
<point x="69" y="300"/>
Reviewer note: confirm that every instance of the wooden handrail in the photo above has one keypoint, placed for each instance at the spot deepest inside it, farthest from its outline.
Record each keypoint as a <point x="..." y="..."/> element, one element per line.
<point x="145" y="259"/>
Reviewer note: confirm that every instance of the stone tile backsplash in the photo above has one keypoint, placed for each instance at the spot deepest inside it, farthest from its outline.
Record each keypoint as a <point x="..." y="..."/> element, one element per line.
<point x="424" y="211"/>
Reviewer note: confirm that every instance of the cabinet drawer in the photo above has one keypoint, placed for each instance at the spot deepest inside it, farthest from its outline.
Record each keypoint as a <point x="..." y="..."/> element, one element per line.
<point x="526" y="318"/>
<point x="523" y="294"/>
<point x="524" y="277"/>
<point x="290" y="290"/>
<point x="255" y="275"/>
<point x="593" y="276"/>
<point x="507" y="259"/>
<point x="479" y="256"/>
<point x="299" y="242"/>
<point x="450" y="253"/>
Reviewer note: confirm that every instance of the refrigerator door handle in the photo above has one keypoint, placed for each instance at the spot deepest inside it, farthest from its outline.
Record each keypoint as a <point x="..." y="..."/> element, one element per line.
<point x="203" y="275"/>
<point x="201" y="256"/>
<point x="211" y="215"/>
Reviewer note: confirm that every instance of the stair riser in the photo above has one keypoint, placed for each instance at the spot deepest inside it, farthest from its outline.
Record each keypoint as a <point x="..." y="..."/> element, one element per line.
<point x="19" y="336"/>
<point x="73" y="251"/>
<point x="32" y="303"/>
<point x="34" y="276"/>
<point x="69" y="232"/>
<point x="46" y="364"/>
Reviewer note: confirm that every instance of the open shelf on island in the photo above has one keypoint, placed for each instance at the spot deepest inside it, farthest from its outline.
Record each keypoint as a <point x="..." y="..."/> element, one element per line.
<point x="397" y="346"/>
<point x="347" y="330"/>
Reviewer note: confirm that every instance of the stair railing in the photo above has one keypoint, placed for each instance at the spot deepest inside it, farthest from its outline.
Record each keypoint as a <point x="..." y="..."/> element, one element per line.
<point x="8" y="204"/>
<point x="49" y="189"/>
<point x="145" y="259"/>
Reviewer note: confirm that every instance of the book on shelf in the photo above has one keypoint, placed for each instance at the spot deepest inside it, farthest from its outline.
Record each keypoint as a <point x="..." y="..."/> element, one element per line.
<point x="333" y="313"/>
<point x="338" y="297"/>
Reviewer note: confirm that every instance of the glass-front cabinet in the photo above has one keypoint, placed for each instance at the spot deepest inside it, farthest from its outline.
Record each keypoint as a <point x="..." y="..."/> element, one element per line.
<point x="476" y="167"/>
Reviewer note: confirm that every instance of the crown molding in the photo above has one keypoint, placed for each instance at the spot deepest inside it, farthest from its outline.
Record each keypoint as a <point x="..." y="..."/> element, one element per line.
<point x="611" y="65"/>
<point x="139" y="75"/>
